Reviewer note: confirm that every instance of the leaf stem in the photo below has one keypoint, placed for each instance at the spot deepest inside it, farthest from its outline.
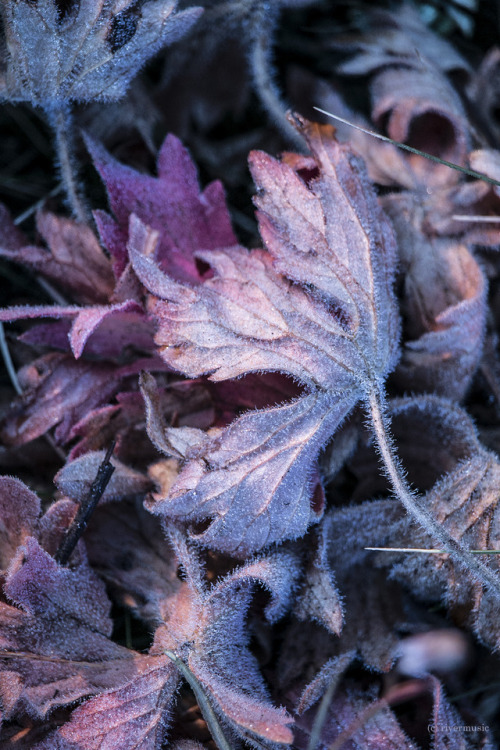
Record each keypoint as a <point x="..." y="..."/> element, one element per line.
<point x="413" y="502"/>
<point x="261" y="29"/>
<point x="61" y="120"/>
<point x="203" y="702"/>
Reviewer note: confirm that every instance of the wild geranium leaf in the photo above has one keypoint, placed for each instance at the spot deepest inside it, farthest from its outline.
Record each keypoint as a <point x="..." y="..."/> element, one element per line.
<point x="186" y="218"/>
<point x="55" y="635"/>
<point x="317" y="306"/>
<point x="134" y="715"/>
<point x="206" y="628"/>
<point x="90" y="52"/>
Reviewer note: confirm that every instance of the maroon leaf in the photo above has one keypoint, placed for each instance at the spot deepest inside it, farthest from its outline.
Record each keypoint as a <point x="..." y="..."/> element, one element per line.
<point x="19" y="511"/>
<point x="318" y="306"/>
<point x="74" y="260"/>
<point x="56" y="391"/>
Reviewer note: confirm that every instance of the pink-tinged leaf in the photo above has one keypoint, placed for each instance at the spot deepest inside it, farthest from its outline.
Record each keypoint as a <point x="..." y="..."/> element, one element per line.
<point x="445" y="303"/>
<point x="186" y="219"/>
<point x="411" y="95"/>
<point x="129" y="717"/>
<point x="420" y="108"/>
<point x="86" y="321"/>
<point x="19" y="511"/>
<point x="76" y="478"/>
<point x="55" y="636"/>
<point x="74" y="260"/>
<point x="317" y="306"/>
<point x="207" y="629"/>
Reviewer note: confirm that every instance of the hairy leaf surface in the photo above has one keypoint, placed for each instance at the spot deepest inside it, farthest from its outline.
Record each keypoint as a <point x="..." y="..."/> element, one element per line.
<point x="318" y="306"/>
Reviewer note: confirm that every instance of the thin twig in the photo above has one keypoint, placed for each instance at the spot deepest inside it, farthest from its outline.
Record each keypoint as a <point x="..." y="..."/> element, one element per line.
<point x="87" y="507"/>
<point x="34" y="208"/>
<point x="203" y="702"/>
<point x="431" y="157"/>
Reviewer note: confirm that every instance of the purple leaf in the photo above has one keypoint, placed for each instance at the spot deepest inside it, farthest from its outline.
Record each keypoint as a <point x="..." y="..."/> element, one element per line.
<point x="55" y="635"/>
<point x="186" y="219"/>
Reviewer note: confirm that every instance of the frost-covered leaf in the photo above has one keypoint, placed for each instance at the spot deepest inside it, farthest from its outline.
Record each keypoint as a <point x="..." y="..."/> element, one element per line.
<point x="55" y="635"/>
<point x="317" y="306"/>
<point x="379" y="732"/>
<point x="318" y="597"/>
<point x="134" y="715"/>
<point x="19" y="511"/>
<point x="86" y="321"/>
<point x="465" y="501"/>
<point x="91" y="52"/>
<point x="207" y="629"/>
<point x="186" y="218"/>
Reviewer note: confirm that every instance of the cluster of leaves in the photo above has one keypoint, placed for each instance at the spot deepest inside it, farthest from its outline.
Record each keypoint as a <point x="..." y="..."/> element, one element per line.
<point x="248" y="395"/>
